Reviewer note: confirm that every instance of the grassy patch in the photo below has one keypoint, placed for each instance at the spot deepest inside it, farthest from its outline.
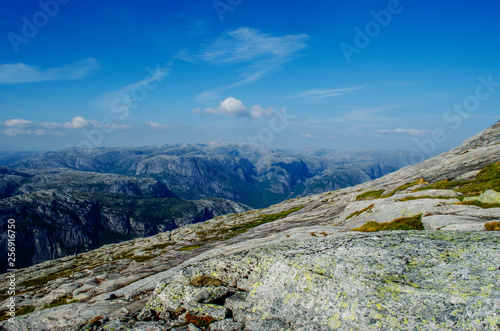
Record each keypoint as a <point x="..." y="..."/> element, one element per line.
<point x="64" y="300"/>
<point x="203" y="281"/>
<point x="271" y="218"/>
<point x="378" y="193"/>
<point x="405" y="223"/>
<point x="159" y="246"/>
<point x="129" y="255"/>
<point x="47" y="278"/>
<point x="424" y="197"/>
<point x="19" y="312"/>
<point x="359" y="212"/>
<point x="189" y="248"/>
<point x="481" y="204"/>
<point x="487" y="179"/>
<point x="492" y="226"/>
<point x="228" y="233"/>
<point x="370" y="195"/>
<point x="143" y="258"/>
<point x="404" y="187"/>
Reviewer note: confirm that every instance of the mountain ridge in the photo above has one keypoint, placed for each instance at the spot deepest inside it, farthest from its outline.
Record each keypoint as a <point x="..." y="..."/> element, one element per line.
<point x="252" y="175"/>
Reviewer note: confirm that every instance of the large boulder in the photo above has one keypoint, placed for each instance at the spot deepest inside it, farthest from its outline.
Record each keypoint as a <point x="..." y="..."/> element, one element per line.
<point x="388" y="281"/>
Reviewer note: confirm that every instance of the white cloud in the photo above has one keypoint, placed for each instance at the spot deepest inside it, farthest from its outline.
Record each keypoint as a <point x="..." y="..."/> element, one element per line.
<point x="258" y="52"/>
<point x="257" y="111"/>
<point x="411" y="132"/>
<point x="41" y="132"/>
<point x="155" y="125"/>
<point x="115" y="126"/>
<point x="234" y="107"/>
<point x="77" y="123"/>
<point x="22" y="73"/>
<point x="16" y="132"/>
<point x="38" y="132"/>
<point x="357" y="115"/>
<point x="26" y="127"/>
<point x="17" y="122"/>
<point x="230" y="106"/>
<point x="246" y="44"/>
<point x="315" y="95"/>
<point x="308" y="136"/>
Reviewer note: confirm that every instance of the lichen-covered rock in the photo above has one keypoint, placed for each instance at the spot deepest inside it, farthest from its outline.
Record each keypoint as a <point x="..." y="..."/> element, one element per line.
<point x="489" y="196"/>
<point x="226" y="325"/>
<point x="391" y="280"/>
<point x="452" y="222"/>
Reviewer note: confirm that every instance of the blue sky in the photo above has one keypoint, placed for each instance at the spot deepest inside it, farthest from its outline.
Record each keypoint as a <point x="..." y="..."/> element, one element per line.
<point x="291" y="74"/>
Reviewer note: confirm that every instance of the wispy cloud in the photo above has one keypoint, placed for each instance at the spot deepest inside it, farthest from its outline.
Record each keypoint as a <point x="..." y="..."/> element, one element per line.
<point x="131" y="93"/>
<point x="19" y="126"/>
<point x="317" y="94"/>
<point x="258" y="52"/>
<point x="37" y="132"/>
<point x="308" y="136"/>
<point x="234" y="107"/>
<point x="357" y="115"/>
<point x="155" y="125"/>
<point x="22" y="73"/>
<point x="411" y="132"/>
<point x="18" y="123"/>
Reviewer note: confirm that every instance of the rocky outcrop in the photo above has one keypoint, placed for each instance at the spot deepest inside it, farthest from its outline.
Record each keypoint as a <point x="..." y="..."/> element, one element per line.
<point x="402" y="280"/>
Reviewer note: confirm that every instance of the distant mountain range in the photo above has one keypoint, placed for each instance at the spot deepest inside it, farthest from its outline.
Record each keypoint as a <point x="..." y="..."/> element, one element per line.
<point x="252" y="175"/>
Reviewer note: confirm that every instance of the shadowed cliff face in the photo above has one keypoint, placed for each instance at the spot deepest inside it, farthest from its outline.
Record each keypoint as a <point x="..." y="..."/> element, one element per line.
<point x="255" y="176"/>
<point x="63" y="213"/>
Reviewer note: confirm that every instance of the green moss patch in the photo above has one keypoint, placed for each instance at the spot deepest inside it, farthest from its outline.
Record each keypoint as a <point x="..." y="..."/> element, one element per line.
<point x="403" y="187"/>
<point x="359" y="212"/>
<point x="159" y="246"/>
<point x="405" y="223"/>
<point x="203" y="281"/>
<point x="143" y="258"/>
<point x="481" y="204"/>
<point x="370" y="195"/>
<point x="64" y="300"/>
<point x="487" y="179"/>
<point x="19" y="312"/>
<point x="423" y="197"/>
<point x="189" y="248"/>
<point x="378" y="194"/>
<point x="47" y="278"/>
<point x="222" y="234"/>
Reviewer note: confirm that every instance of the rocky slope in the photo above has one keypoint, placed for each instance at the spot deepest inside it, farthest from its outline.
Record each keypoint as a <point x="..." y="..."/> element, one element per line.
<point x="298" y="265"/>
<point x="255" y="176"/>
